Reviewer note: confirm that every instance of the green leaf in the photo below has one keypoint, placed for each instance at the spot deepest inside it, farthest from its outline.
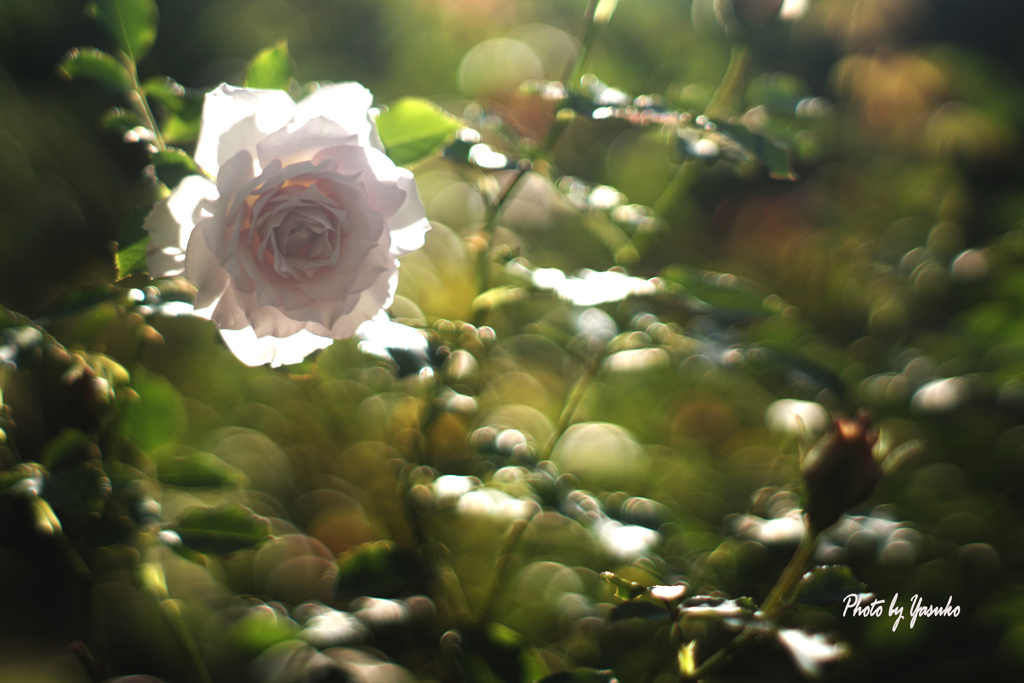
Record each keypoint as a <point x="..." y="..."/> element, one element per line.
<point x="164" y="90"/>
<point x="26" y="478"/>
<point x="131" y="22"/>
<point x="120" y="121"/>
<point x="260" y="629"/>
<point x="413" y="129"/>
<point x="132" y="240"/>
<point x="66" y="449"/>
<point x="157" y="416"/>
<point x="497" y="297"/>
<point x="97" y="65"/>
<point x="688" y="658"/>
<point x="380" y="569"/>
<point x="180" y="130"/>
<point x="187" y="467"/>
<point x="182" y="125"/>
<point x="222" y="529"/>
<point x="773" y="155"/>
<point x="624" y="588"/>
<point x="81" y="300"/>
<point x="734" y="295"/>
<point x="494" y="652"/>
<point x="172" y="165"/>
<point x="271" y="69"/>
<point x="739" y="610"/>
<point x="776" y="159"/>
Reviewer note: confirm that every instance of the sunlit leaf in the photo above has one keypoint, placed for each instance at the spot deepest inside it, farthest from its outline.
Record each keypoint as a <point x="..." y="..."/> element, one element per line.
<point x="187" y="467"/>
<point x="97" y="65"/>
<point x="157" y="416"/>
<point x="132" y="240"/>
<point x="271" y="69"/>
<point x="413" y="129"/>
<point x="131" y="22"/>
<point x="178" y="130"/>
<point x="258" y="630"/>
<point x="497" y="297"/>
<point x="733" y="613"/>
<point x="164" y="90"/>
<point x="827" y="585"/>
<point x="179" y="123"/>
<point x="687" y="657"/>
<point x="811" y="652"/>
<point x="118" y="120"/>
<point x="624" y="588"/>
<point x="222" y="529"/>
<point x="173" y="164"/>
<point x="45" y="521"/>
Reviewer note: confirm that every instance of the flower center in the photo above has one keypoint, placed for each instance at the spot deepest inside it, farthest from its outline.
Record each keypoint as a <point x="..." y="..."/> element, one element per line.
<point x="298" y="240"/>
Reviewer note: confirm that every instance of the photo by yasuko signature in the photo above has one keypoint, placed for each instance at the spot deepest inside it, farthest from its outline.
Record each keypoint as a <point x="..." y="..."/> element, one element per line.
<point x="876" y="608"/>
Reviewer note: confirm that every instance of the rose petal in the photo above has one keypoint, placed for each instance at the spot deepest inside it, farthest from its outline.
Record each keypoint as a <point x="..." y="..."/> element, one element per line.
<point x="409" y="226"/>
<point x="301" y="142"/>
<point x="253" y="350"/>
<point x="236" y="119"/>
<point x="348" y="105"/>
<point x="170" y="225"/>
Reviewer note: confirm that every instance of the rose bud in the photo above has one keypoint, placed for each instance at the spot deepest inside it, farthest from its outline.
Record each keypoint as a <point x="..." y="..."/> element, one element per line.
<point x="840" y="470"/>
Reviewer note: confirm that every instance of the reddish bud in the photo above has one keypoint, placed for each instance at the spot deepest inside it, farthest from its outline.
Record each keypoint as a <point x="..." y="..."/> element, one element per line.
<point x="840" y="470"/>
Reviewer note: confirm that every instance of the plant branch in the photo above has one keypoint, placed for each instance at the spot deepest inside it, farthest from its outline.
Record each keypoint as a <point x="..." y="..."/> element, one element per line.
<point x="776" y="599"/>
<point x="515" y="532"/>
<point x="137" y="99"/>
<point x="735" y="76"/>
<point x="573" y="402"/>
<point x="771" y="608"/>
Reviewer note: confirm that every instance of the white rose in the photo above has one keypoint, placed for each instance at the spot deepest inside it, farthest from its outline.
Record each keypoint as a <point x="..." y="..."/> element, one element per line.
<point x="295" y="244"/>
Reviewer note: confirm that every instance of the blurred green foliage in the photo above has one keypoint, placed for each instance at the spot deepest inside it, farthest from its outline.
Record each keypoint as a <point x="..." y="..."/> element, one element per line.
<point x="170" y="512"/>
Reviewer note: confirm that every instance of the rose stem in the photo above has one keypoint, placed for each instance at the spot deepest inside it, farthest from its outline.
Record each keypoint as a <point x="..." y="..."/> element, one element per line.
<point x="137" y="98"/>
<point x="735" y="76"/>
<point x="770" y="608"/>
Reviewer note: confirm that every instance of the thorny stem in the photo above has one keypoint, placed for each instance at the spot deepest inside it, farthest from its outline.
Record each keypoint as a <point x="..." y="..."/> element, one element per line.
<point x="771" y="608"/>
<point x="735" y="76"/>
